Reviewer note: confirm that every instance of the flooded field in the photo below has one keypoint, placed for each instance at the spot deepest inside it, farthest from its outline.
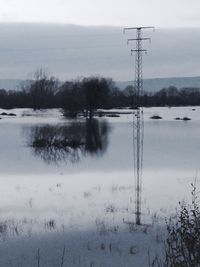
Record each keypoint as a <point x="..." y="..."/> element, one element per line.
<point x="68" y="188"/>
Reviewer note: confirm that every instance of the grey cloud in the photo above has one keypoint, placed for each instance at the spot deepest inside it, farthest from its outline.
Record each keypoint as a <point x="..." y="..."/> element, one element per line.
<point x="69" y="51"/>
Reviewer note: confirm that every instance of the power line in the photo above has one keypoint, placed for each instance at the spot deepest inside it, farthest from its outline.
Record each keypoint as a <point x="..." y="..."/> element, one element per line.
<point x="57" y="48"/>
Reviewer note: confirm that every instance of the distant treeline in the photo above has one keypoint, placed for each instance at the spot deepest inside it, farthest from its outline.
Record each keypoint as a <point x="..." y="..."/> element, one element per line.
<point x="87" y="94"/>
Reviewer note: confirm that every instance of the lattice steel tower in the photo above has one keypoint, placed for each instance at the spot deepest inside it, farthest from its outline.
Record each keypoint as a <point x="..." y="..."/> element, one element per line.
<point x="138" y="121"/>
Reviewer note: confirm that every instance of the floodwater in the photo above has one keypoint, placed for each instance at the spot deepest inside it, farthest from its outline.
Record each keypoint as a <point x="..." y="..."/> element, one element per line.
<point x="61" y="176"/>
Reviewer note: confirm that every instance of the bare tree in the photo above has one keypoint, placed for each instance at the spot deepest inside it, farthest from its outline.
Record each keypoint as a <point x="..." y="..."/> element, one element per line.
<point x="42" y="89"/>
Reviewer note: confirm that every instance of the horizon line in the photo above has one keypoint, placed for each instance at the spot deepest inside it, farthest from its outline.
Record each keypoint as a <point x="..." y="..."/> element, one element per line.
<point x="92" y="25"/>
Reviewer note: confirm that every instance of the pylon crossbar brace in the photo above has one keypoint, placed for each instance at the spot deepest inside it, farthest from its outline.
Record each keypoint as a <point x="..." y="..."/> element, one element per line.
<point x="138" y="39"/>
<point x="139" y="28"/>
<point x="138" y="50"/>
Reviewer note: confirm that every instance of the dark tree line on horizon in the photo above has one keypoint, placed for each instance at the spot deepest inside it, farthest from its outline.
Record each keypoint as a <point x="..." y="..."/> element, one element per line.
<point x="88" y="94"/>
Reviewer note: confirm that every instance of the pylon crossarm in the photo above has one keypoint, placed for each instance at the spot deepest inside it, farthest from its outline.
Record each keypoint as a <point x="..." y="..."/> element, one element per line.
<point x="139" y="28"/>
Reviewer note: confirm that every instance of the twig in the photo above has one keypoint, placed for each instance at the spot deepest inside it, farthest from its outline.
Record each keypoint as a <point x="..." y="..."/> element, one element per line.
<point x="63" y="257"/>
<point x="38" y="257"/>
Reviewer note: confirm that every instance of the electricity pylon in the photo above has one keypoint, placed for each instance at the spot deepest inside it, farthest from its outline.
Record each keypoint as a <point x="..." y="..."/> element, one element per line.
<point x="138" y="122"/>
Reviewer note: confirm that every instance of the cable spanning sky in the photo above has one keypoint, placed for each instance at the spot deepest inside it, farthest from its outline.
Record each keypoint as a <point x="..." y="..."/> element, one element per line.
<point x="161" y="13"/>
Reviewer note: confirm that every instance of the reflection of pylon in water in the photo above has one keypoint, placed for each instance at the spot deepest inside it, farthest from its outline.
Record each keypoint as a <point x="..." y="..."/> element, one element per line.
<point x="138" y="120"/>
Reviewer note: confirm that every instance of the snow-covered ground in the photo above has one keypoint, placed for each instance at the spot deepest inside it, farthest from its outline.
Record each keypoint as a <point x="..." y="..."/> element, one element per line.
<point x="82" y="214"/>
<point x="91" y="215"/>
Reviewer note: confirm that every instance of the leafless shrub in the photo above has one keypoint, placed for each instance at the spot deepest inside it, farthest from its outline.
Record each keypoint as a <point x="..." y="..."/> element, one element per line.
<point x="97" y="188"/>
<point x="111" y="209"/>
<point x="87" y="194"/>
<point x="101" y="228"/>
<point x="3" y="229"/>
<point x="182" y="246"/>
<point x="51" y="224"/>
<point x="132" y="227"/>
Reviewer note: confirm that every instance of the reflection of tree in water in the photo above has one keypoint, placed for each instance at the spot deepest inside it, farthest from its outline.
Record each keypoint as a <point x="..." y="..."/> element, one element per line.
<point x="57" y="143"/>
<point x="96" y="137"/>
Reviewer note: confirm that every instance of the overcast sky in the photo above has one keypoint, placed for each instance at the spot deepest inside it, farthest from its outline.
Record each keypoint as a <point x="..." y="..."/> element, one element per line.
<point x="51" y="41"/>
<point x="161" y="13"/>
<point x="68" y="51"/>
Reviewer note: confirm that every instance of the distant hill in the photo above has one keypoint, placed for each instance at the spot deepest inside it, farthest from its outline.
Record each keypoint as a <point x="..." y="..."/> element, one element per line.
<point x="10" y="84"/>
<point x="153" y="85"/>
<point x="150" y="85"/>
